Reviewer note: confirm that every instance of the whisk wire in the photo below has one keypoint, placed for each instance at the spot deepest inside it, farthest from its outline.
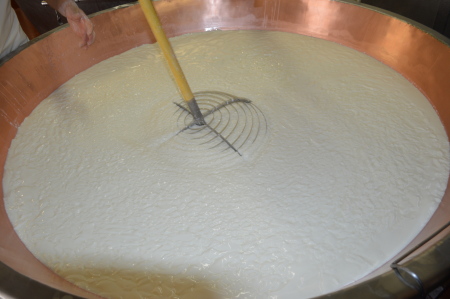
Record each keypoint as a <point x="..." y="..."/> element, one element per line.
<point x="233" y="121"/>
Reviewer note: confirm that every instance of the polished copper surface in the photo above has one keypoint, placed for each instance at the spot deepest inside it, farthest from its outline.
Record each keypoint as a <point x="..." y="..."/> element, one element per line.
<point x="31" y="75"/>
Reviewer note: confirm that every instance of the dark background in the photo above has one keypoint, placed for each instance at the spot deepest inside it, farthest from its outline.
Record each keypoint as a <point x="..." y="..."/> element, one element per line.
<point x="44" y="18"/>
<point x="432" y="13"/>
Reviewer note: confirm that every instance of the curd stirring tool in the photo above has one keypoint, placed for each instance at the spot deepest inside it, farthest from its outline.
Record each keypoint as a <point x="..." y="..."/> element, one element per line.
<point x="254" y="121"/>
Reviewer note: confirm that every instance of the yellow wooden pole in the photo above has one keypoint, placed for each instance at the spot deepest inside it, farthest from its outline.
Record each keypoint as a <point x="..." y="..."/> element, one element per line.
<point x="175" y="68"/>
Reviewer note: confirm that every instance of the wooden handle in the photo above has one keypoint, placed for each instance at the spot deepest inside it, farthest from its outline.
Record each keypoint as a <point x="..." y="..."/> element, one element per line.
<point x="161" y="38"/>
<point x="175" y="68"/>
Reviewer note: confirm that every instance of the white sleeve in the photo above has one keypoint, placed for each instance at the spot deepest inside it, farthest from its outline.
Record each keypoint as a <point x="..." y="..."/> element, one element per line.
<point x="11" y="34"/>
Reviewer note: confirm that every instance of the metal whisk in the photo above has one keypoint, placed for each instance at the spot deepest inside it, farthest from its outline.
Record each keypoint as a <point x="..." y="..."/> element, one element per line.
<point x="228" y="120"/>
<point x="213" y="103"/>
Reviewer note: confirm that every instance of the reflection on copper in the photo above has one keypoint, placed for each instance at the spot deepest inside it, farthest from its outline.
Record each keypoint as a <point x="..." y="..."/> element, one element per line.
<point x="34" y="73"/>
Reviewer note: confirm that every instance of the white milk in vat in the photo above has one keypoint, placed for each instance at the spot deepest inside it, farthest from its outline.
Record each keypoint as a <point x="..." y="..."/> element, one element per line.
<point x="353" y="164"/>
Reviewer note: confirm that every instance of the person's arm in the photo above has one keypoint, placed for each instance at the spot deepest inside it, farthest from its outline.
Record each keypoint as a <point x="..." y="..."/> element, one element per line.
<point x="77" y="19"/>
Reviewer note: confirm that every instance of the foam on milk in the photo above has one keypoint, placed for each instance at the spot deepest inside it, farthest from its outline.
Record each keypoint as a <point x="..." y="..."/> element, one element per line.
<point x="101" y="189"/>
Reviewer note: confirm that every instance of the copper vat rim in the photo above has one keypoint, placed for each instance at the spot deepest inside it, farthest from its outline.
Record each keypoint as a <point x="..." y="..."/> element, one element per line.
<point x="426" y="63"/>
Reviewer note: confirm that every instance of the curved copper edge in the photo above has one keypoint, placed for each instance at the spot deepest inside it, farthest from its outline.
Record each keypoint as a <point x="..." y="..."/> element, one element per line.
<point x="432" y="268"/>
<point x="32" y="74"/>
<point x="29" y="77"/>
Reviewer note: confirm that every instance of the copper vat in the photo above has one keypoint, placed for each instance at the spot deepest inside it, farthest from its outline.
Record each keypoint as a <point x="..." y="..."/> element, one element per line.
<point x="29" y="75"/>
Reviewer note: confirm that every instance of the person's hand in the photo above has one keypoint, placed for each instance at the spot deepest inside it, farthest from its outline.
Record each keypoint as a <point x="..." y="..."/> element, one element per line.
<point x="79" y="23"/>
<point x="77" y="19"/>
